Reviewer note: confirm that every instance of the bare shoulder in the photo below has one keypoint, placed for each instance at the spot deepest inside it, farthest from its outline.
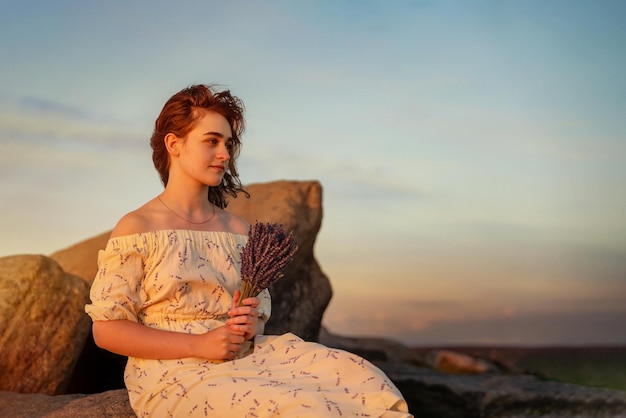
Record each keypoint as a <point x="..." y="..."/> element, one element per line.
<point x="139" y="220"/>
<point x="235" y="223"/>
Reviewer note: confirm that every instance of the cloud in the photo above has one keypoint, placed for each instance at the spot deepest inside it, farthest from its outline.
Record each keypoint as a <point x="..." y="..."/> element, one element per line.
<point x="459" y="322"/>
<point x="541" y="328"/>
<point x="43" y="122"/>
<point x="42" y="107"/>
<point x="64" y="171"/>
<point x="348" y="180"/>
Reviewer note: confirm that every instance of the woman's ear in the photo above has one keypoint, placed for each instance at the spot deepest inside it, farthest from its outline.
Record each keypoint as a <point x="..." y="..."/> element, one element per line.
<point x="172" y="143"/>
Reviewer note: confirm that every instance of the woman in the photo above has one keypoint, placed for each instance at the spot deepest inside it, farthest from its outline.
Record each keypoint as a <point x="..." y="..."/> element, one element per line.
<point x="166" y="294"/>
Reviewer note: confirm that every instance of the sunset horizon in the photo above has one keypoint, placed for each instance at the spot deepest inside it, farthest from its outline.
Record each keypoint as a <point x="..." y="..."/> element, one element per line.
<point x="472" y="155"/>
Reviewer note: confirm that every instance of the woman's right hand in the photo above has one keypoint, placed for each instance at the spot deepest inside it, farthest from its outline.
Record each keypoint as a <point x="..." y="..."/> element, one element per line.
<point x="220" y="343"/>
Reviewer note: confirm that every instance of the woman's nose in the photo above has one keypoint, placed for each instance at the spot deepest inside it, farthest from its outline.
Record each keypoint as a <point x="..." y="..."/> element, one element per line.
<point x="223" y="153"/>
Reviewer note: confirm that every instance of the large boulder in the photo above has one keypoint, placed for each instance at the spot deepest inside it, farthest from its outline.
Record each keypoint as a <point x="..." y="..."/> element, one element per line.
<point x="300" y="298"/>
<point x="43" y="325"/>
<point x="82" y="259"/>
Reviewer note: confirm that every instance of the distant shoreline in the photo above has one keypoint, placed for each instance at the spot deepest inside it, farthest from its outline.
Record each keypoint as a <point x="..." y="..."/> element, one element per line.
<point x="593" y="365"/>
<point x="466" y="347"/>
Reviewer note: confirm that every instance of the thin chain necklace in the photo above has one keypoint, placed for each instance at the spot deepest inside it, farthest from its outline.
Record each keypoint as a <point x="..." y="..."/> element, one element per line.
<point x="184" y="219"/>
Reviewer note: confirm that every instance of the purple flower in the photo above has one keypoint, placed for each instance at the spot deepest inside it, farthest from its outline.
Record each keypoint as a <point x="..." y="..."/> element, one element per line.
<point x="264" y="257"/>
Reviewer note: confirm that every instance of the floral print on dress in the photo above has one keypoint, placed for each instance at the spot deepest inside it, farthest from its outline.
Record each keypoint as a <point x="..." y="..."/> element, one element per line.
<point x="184" y="281"/>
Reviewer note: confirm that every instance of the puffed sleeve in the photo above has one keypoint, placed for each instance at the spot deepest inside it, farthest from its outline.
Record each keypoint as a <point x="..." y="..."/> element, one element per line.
<point x="116" y="292"/>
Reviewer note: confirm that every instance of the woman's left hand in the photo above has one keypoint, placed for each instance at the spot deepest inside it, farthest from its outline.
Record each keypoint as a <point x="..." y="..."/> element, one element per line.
<point x="244" y="318"/>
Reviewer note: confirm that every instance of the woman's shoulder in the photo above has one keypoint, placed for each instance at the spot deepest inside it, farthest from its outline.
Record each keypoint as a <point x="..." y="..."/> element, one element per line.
<point x="234" y="223"/>
<point x="138" y="221"/>
<point x="150" y="217"/>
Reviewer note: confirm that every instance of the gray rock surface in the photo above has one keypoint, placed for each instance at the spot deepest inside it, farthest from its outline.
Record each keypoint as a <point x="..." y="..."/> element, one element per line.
<point x="431" y="393"/>
<point x="373" y="349"/>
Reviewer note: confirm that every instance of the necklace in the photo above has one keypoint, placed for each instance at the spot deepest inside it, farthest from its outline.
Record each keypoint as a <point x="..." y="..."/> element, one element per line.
<point x="184" y="219"/>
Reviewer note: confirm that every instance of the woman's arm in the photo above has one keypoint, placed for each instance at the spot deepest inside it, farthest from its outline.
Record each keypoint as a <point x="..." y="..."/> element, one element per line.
<point x="135" y="340"/>
<point x="223" y="343"/>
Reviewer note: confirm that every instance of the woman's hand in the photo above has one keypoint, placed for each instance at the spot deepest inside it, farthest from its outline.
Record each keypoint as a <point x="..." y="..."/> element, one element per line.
<point x="222" y="343"/>
<point x="245" y="318"/>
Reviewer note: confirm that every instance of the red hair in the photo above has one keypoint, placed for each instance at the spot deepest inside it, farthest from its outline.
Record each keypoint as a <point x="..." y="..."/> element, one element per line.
<point x="179" y="116"/>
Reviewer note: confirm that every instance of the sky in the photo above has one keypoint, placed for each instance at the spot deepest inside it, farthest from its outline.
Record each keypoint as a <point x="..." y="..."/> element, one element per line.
<point x="472" y="154"/>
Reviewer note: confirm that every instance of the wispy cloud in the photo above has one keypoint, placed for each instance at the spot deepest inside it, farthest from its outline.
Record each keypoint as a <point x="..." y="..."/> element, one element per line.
<point x="34" y="120"/>
<point x="539" y="328"/>
<point x="457" y="322"/>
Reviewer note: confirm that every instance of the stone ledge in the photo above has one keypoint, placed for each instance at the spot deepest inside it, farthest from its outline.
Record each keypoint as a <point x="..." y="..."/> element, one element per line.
<point x="111" y="404"/>
<point x="431" y="393"/>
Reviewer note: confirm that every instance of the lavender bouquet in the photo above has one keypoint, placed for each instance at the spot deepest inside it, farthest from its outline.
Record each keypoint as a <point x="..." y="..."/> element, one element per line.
<point x="264" y="257"/>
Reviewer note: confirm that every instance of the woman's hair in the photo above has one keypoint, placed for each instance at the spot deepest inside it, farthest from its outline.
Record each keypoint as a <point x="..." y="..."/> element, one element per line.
<point x="179" y="116"/>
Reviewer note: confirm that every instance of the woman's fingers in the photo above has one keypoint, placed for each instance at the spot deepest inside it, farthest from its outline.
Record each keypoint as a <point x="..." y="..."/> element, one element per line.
<point x="243" y="311"/>
<point x="244" y="319"/>
<point x="236" y="297"/>
<point x="241" y="329"/>
<point x="240" y="319"/>
<point x="245" y="323"/>
<point x="253" y="302"/>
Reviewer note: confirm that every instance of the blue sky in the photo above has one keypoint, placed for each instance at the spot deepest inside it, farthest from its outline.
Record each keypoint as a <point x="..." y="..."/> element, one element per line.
<point x="472" y="154"/>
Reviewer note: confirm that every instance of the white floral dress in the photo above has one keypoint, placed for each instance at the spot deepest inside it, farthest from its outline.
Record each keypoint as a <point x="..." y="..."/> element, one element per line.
<point x="183" y="281"/>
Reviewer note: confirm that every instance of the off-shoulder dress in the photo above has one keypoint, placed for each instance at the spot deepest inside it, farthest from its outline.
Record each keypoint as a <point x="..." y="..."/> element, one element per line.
<point x="184" y="281"/>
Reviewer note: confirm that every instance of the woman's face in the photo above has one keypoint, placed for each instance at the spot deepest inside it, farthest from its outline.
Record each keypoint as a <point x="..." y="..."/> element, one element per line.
<point x="205" y="151"/>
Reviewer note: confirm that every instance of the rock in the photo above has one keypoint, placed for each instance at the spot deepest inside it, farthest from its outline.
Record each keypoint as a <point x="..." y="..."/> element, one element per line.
<point x="110" y="404"/>
<point x="43" y="326"/>
<point x="82" y="259"/>
<point x="300" y="298"/>
<point x="431" y="393"/>
<point x="373" y="349"/>
<point x="452" y="362"/>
